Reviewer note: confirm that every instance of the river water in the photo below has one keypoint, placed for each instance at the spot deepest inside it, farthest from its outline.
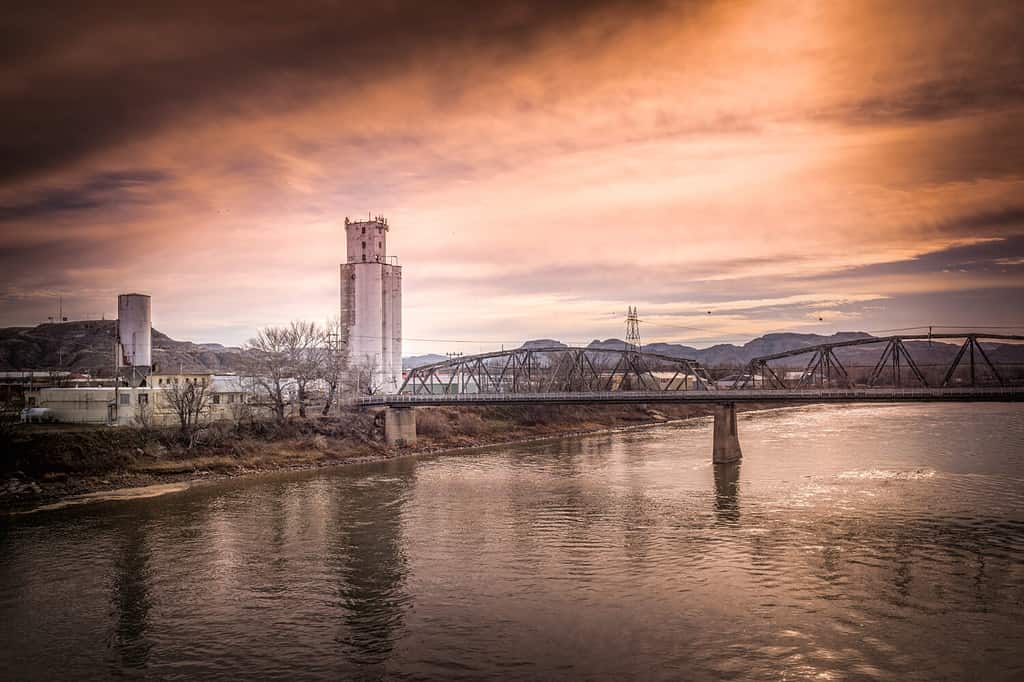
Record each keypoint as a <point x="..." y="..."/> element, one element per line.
<point x="853" y="542"/>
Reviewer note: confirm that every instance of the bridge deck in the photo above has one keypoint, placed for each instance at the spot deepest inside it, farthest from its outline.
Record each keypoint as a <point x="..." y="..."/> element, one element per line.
<point x="1001" y="394"/>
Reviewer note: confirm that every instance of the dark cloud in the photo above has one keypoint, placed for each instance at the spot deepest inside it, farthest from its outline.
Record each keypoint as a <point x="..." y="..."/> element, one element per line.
<point x="991" y="221"/>
<point x="990" y="307"/>
<point x="101" y="190"/>
<point x="978" y="257"/>
<point x="943" y="98"/>
<point x="85" y="76"/>
<point x="926" y="60"/>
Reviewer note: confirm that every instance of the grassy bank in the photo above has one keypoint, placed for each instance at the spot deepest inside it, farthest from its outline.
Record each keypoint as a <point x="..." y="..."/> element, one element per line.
<point x="43" y="463"/>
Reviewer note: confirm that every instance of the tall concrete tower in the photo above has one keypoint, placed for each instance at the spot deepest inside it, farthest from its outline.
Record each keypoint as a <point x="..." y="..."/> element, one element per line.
<point x="371" y="305"/>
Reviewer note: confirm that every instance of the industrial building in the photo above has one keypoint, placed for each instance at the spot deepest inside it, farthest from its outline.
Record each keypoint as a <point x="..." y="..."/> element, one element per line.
<point x="226" y="399"/>
<point x="140" y="393"/>
<point x="371" y="306"/>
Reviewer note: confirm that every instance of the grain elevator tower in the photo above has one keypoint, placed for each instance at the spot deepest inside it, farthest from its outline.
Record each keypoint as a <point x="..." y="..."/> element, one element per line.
<point x="371" y="307"/>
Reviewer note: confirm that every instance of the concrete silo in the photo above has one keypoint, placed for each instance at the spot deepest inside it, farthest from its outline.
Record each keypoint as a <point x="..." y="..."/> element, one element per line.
<point x="371" y="306"/>
<point x="134" y="335"/>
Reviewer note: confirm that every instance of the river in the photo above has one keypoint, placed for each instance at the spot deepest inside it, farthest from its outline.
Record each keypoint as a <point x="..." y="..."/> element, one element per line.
<point x="852" y="542"/>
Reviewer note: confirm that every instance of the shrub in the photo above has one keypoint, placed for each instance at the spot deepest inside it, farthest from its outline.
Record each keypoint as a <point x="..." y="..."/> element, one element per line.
<point x="216" y="434"/>
<point x="432" y="423"/>
<point x="470" y="424"/>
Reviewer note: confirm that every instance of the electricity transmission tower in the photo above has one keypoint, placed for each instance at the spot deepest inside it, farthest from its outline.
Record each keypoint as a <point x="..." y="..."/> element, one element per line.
<point x="633" y="330"/>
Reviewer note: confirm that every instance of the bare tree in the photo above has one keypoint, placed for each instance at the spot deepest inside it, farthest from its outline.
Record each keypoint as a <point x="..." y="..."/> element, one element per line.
<point x="242" y="411"/>
<point x="7" y="420"/>
<point x="143" y="418"/>
<point x="188" y="400"/>
<point x="267" y="364"/>
<point x="363" y="378"/>
<point x="334" y="362"/>
<point x="306" y="353"/>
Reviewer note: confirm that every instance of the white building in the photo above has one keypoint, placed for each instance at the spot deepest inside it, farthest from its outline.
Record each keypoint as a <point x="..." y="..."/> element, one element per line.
<point x="227" y="398"/>
<point x="134" y="337"/>
<point x="371" y="305"/>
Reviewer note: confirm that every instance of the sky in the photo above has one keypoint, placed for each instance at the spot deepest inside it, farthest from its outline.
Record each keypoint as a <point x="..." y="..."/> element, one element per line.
<point x="729" y="168"/>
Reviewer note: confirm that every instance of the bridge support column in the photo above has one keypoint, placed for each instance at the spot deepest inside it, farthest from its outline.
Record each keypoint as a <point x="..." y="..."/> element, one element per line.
<point x="400" y="426"/>
<point x="726" y="447"/>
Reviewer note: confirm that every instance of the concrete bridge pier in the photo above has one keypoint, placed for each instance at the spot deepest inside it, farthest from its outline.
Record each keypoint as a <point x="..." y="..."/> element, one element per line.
<point x="400" y="426"/>
<point x="726" y="447"/>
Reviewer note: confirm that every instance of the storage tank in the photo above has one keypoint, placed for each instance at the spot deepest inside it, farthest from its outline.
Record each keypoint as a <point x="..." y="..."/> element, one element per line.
<point x="134" y="331"/>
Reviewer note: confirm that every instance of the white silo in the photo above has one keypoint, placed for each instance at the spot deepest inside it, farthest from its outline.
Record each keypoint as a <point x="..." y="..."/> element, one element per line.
<point x="371" y="304"/>
<point x="134" y="331"/>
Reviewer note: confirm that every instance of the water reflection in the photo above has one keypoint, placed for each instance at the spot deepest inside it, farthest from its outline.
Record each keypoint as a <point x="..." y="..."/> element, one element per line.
<point x="727" y="492"/>
<point x="130" y="597"/>
<point x="368" y="557"/>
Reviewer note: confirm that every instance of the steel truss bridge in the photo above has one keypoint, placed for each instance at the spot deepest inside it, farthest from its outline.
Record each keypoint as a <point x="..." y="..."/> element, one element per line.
<point x="895" y="365"/>
<point x="824" y="373"/>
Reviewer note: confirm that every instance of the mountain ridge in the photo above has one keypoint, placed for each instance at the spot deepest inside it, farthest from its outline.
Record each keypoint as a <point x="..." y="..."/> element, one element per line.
<point x="88" y="346"/>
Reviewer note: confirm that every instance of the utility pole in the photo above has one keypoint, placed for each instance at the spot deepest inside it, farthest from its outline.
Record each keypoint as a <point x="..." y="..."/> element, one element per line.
<point x="459" y="370"/>
<point x="334" y="348"/>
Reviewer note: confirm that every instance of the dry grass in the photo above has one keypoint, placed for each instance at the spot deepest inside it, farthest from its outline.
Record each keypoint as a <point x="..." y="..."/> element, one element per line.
<point x="470" y="424"/>
<point x="81" y="454"/>
<point x="223" y="464"/>
<point x="433" y="423"/>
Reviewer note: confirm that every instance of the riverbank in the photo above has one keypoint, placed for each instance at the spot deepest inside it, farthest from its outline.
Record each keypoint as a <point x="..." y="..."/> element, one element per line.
<point x="42" y="466"/>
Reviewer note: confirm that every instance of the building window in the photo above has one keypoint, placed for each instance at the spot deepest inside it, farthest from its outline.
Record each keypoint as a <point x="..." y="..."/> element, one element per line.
<point x="126" y="399"/>
<point x="364" y="230"/>
<point x="143" y="399"/>
<point x="216" y="399"/>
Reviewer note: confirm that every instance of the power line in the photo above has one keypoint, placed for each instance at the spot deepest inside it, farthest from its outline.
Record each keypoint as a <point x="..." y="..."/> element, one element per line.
<point x="977" y="326"/>
<point x="981" y="327"/>
<point x="724" y="338"/>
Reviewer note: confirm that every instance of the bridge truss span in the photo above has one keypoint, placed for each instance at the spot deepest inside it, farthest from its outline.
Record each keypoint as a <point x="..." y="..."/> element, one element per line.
<point x="907" y="361"/>
<point x="557" y="369"/>
<point x="897" y="364"/>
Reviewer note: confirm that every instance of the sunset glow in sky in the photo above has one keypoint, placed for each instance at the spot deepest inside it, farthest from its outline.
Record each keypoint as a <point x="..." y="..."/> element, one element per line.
<point x="542" y="165"/>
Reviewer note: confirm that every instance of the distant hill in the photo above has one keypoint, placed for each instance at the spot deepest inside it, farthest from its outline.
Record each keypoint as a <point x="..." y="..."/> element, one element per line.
<point x="414" y="361"/>
<point x="726" y="354"/>
<point x="729" y="355"/>
<point x="543" y="343"/>
<point x="89" y="347"/>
